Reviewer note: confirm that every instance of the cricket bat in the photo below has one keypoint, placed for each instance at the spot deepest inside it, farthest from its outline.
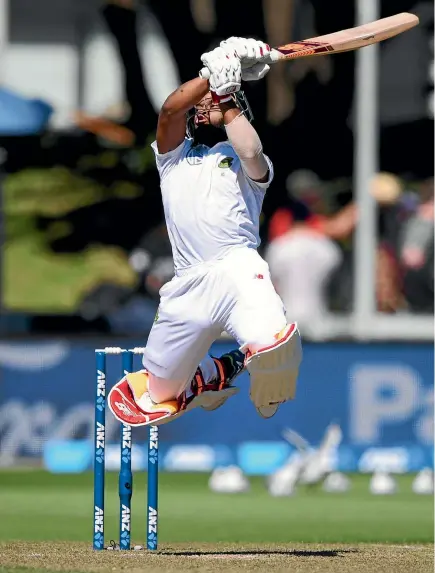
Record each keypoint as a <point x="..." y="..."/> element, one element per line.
<point x="343" y="41"/>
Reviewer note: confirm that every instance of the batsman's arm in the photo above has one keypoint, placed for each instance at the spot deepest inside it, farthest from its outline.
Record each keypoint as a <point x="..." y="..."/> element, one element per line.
<point x="341" y="225"/>
<point x="171" y="127"/>
<point x="246" y="143"/>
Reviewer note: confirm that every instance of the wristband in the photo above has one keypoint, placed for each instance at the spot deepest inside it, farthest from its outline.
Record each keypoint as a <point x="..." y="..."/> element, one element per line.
<point x="220" y="99"/>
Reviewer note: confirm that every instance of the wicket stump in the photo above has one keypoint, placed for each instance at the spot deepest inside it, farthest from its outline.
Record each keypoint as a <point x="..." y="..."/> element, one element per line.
<point x="125" y="473"/>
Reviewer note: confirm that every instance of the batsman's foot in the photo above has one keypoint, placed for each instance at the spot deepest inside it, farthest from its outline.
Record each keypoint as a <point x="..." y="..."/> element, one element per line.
<point x="130" y="402"/>
<point x="126" y="395"/>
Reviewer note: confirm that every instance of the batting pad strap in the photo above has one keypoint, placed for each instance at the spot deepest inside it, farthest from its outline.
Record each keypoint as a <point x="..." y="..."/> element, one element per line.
<point x="199" y="382"/>
<point x="221" y="373"/>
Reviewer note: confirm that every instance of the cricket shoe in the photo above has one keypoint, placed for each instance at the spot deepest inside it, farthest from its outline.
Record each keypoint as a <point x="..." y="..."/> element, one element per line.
<point x="228" y="367"/>
<point x="130" y="402"/>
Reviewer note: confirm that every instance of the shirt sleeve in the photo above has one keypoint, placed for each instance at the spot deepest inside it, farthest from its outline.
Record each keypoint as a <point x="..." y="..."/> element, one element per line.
<point x="167" y="161"/>
<point x="262" y="187"/>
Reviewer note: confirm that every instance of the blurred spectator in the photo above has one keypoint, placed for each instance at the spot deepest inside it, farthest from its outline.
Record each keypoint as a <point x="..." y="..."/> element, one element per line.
<point x="308" y="202"/>
<point x="152" y="260"/>
<point x="137" y="119"/>
<point x="405" y="248"/>
<point x="301" y="262"/>
<point x="312" y="273"/>
<point x="129" y="310"/>
<point x="303" y="254"/>
<point x="416" y="252"/>
<point x="303" y="186"/>
<point x="388" y="191"/>
<point x="107" y="191"/>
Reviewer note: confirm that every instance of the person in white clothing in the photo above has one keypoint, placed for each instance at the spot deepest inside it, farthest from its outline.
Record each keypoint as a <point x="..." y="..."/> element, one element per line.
<point x="212" y="198"/>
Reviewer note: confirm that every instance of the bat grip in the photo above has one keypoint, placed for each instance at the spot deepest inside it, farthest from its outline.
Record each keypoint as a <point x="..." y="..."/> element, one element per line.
<point x="204" y="74"/>
<point x="274" y="56"/>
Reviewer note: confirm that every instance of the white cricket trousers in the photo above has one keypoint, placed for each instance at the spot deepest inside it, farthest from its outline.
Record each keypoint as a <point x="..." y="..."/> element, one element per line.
<point x="234" y="294"/>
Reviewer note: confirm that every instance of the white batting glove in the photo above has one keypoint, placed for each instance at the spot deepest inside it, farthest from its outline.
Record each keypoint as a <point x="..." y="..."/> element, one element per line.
<point x="226" y="73"/>
<point x="255" y="72"/>
<point x="249" y="51"/>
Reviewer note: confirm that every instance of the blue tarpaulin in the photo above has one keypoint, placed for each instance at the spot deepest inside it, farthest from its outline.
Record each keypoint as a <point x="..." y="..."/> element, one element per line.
<point x="22" y="116"/>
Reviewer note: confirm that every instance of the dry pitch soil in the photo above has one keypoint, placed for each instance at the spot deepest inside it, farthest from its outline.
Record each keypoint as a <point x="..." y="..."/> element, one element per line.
<point x="295" y="558"/>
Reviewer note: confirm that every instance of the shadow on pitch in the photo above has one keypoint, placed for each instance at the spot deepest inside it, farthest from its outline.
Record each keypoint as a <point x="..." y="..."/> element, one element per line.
<point x="259" y="552"/>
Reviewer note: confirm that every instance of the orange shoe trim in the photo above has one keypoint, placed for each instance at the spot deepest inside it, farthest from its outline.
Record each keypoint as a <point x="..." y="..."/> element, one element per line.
<point x="221" y="373"/>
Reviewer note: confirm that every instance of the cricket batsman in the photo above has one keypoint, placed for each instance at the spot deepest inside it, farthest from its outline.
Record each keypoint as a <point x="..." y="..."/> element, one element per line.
<point x="214" y="176"/>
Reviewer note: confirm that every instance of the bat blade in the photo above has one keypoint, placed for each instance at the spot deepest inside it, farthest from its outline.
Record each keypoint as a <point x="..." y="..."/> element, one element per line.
<point x="343" y="41"/>
<point x="347" y="40"/>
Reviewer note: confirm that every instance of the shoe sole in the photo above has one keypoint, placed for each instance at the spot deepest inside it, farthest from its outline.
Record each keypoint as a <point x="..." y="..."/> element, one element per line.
<point x="221" y="401"/>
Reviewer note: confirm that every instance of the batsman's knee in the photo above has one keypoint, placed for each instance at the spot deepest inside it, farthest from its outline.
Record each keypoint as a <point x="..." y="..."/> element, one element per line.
<point x="274" y="367"/>
<point x="265" y="341"/>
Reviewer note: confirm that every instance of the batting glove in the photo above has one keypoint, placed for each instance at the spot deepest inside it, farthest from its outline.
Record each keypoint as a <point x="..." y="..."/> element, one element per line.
<point x="255" y="72"/>
<point x="249" y="51"/>
<point x="226" y="73"/>
<point x="252" y="54"/>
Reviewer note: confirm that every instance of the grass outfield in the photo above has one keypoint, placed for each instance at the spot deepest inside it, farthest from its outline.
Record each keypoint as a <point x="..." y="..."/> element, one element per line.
<point x="47" y="518"/>
<point x="37" y="506"/>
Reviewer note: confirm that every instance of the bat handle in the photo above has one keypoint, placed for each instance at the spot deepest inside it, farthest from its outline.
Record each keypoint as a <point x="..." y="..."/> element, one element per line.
<point x="204" y="74"/>
<point x="273" y="57"/>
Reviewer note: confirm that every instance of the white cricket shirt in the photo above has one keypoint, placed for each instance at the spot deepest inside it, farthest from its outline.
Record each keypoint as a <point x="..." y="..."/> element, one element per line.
<point x="211" y="206"/>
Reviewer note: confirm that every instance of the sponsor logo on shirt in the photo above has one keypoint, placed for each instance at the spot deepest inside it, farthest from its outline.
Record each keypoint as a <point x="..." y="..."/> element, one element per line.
<point x="226" y="163"/>
<point x="195" y="156"/>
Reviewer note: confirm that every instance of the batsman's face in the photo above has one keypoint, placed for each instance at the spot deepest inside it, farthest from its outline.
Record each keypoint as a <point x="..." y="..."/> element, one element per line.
<point x="208" y="113"/>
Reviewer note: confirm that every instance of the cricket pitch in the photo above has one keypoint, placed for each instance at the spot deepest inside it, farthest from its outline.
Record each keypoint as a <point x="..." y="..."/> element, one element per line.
<point x="297" y="558"/>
